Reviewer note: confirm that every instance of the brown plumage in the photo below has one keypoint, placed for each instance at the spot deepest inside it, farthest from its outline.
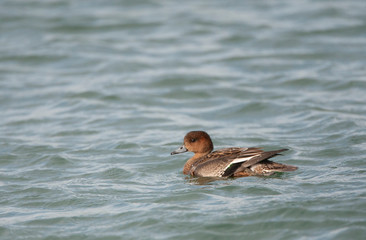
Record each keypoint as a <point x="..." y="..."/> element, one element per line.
<point x="227" y="162"/>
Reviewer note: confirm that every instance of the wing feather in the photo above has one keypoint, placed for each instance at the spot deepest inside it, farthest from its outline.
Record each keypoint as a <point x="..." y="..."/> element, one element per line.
<point x="216" y="164"/>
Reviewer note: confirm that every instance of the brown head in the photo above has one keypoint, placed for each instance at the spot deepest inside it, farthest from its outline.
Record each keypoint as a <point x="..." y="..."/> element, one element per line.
<point x="198" y="142"/>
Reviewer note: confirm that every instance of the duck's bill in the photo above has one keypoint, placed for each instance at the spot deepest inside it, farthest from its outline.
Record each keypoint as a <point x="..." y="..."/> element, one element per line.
<point x="182" y="149"/>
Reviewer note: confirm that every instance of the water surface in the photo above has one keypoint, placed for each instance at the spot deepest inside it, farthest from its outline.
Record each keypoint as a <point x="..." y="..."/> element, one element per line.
<point x="94" y="95"/>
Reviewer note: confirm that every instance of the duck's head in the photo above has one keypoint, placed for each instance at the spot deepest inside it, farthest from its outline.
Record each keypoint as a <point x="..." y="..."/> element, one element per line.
<point x="197" y="142"/>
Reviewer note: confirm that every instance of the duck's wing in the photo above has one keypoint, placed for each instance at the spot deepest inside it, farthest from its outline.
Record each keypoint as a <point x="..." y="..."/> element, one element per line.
<point x="260" y="158"/>
<point x="224" y="162"/>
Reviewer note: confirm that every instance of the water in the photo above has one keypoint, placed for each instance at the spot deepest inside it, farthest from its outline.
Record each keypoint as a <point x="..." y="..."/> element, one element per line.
<point x="94" y="95"/>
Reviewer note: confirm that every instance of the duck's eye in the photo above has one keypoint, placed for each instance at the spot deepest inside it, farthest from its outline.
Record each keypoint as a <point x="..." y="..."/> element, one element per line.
<point x="193" y="140"/>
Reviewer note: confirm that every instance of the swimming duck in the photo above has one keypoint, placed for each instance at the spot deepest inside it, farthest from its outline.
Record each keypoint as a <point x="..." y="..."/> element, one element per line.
<point x="227" y="162"/>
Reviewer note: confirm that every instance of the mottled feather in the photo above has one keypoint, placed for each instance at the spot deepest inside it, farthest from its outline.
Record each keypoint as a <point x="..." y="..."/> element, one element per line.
<point x="217" y="162"/>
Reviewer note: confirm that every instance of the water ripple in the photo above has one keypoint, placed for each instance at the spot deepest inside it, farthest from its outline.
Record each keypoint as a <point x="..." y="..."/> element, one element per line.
<point x="94" y="96"/>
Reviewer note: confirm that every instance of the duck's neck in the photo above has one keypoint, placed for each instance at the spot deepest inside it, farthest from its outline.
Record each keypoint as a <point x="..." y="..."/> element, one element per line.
<point x="187" y="167"/>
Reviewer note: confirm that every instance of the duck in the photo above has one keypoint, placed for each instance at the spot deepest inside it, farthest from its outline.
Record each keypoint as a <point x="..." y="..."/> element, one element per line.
<point x="227" y="162"/>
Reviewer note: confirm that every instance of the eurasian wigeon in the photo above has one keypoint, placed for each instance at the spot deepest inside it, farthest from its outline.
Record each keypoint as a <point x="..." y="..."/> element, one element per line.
<point x="227" y="162"/>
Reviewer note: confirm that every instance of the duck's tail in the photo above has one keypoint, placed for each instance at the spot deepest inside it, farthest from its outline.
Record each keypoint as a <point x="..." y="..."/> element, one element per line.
<point x="268" y="167"/>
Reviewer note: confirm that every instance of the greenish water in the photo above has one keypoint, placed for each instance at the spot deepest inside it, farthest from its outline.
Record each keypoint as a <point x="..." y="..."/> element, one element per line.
<point x="94" y="95"/>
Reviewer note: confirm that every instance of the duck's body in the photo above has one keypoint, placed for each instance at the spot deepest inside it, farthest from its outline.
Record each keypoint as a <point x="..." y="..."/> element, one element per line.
<point x="227" y="162"/>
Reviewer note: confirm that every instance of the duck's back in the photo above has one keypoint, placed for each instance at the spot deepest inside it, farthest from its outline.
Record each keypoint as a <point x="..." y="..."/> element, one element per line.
<point x="216" y="163"/>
